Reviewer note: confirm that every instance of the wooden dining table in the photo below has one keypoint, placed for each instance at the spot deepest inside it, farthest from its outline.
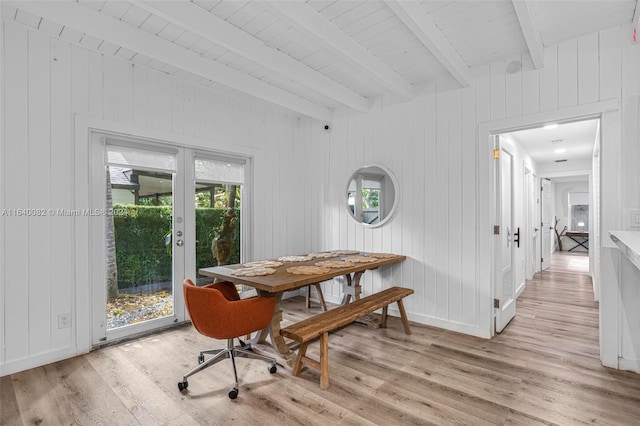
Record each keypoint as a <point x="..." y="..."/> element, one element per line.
<point x="277" y="282"/>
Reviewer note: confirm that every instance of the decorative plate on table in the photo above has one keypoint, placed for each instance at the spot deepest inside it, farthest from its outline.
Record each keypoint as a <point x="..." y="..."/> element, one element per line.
<point x="341" y="252"/>
<point x="382" y="255"/>
<point x="335" y="264"/>
<point x="359" y="259"/>
<point x="263" y="263"/>
<point x="253" y="271"/>
<point x="295" y="258"/>
<point x="307" y="270"/>
<point x="324" y="254"/>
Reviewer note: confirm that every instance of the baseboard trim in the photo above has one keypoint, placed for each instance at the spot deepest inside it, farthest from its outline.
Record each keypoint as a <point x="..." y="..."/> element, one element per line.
<point x="37" y="361"/>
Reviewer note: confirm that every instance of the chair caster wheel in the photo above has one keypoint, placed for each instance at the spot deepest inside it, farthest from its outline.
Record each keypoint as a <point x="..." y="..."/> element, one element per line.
<point x="233" y="393"/>
<point x="272" y="368"/>
<point x="201" y="359"/>
<point x="183" y="385"/>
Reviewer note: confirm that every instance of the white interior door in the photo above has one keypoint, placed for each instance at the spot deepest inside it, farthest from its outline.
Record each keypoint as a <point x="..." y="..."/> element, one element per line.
<point x="532" y="242"/>
<point x="548" y="237"/>
<point x="505" y="288"/>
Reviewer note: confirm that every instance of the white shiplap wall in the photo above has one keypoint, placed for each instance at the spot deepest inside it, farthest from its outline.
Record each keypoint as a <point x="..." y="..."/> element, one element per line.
<point x="431" y="144"/>
<point x="49" y="80"/>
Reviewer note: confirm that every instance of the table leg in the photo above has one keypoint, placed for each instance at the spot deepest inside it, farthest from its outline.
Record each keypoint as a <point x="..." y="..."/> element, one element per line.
<point x="273" y="329"/>
<point x="351" y="289"/>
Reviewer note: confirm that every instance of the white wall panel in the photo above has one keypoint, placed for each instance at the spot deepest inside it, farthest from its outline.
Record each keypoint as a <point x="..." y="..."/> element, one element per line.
<point x="549" y="80"/>
<point x="429" y="194"/>
<point x="498" y="91"/>
<point x="16" y="194"/>
<point x="62" y="261"/>
<point x="530" y="91"/>
<point x="568" y="74"/>
<point x="588" y="69"/>
<point x="468" y="298"/>
<point x="610" y="63"/>
<point x="38" y="181"/>
<point x="514" y="90"/>
<point x="47" y="82"/>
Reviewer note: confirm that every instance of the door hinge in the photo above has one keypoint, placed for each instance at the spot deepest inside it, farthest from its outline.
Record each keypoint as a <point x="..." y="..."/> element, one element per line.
<point x="496" y="303"/>
<point x="542" y="260"/>
<point x="496" y="229"/>
<point x="496" y="154"/>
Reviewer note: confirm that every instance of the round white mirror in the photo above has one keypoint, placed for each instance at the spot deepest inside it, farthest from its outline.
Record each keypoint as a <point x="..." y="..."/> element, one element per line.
<point x="372" y="195"/>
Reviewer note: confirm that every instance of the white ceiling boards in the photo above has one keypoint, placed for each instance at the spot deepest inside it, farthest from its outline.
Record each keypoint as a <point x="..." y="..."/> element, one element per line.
<point x="313" y="56"/>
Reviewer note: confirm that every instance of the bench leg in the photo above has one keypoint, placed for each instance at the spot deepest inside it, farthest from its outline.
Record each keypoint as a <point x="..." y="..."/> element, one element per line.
<point x="383" y="321"/>
<point x="324" y="361"/>
<point x="322" y="366"/>
<point x="302" y="351"/>
<point x="403" y="315"/>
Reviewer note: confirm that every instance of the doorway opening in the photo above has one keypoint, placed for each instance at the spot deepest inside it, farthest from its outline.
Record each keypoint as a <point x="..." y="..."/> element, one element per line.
<point x="546" y="202"/>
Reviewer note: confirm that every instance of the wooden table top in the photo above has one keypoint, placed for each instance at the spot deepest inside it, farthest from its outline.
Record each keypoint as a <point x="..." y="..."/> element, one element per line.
<point x="282" y="280"/>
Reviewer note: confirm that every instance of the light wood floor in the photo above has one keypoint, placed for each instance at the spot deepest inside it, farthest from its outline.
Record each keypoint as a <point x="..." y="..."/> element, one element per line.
<point x="543" y="369"/>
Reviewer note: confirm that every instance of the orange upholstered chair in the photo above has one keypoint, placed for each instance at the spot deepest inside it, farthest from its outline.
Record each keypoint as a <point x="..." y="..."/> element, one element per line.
<point x="216" y="311"/>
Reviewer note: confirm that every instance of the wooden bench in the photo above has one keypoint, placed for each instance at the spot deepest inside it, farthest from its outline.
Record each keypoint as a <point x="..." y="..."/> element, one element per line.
<point x="304" y="332"/>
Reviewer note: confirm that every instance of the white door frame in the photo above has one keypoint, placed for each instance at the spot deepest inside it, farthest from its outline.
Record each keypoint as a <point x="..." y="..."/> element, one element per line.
<point x="486" y="192"/>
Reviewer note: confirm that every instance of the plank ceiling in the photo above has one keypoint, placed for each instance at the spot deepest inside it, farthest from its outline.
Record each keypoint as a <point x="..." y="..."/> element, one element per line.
<point x="313" y="56"/>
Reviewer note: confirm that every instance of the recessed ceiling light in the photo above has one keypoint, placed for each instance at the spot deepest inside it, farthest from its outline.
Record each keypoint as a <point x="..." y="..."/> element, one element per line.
<point x="560" y="150"/>
<point x="557" y="141"/>
<point x="550" y="126"/>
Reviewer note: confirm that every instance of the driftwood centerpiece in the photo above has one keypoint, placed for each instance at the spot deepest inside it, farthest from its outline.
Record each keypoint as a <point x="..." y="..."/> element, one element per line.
<point x="559" y="234"/>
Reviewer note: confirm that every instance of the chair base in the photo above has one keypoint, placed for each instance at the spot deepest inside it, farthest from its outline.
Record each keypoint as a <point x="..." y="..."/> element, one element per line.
<point x="230" y="352"/>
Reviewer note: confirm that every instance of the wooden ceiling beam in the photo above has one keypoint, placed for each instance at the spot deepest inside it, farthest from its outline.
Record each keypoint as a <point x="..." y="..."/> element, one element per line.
<point x="530" y="31"/>
<point x="211" y="27"/>
<point x="97" y="24"/>
<point x="309" y="22"/>
<point x="422" y="26"/>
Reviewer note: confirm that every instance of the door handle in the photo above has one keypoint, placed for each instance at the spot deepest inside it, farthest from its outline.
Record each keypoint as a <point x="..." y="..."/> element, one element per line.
<point x="516" y="237"/>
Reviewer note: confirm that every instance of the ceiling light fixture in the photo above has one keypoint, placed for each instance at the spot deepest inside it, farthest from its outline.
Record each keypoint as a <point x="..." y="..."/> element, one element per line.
<point x="550" y="126"/>
<point x="560" y="150"/>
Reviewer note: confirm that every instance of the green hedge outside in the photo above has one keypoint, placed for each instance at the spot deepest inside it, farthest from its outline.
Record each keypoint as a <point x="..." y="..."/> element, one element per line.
<point x="143" y="242"/>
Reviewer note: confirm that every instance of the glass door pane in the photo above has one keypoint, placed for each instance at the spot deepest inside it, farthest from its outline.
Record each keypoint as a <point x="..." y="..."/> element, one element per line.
<point x="140" y="247"/>
<point x="218" y="202"/>
<point x="218" y="220"/>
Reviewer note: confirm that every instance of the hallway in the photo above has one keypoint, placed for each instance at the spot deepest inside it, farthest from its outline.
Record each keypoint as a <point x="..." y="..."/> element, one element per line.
<point x="557" y="310"/>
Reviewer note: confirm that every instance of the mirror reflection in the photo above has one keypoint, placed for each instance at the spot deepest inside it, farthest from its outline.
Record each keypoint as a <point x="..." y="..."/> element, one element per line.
<point x="371" y="195"/>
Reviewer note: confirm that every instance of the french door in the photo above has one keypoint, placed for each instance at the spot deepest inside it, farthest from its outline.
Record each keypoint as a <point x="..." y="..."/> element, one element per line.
<point x="160" y="211"/>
